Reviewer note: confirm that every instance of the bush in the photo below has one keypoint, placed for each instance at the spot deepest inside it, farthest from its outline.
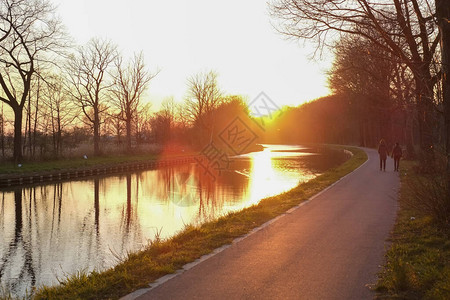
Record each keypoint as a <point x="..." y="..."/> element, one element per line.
<point x="431" y="195"/>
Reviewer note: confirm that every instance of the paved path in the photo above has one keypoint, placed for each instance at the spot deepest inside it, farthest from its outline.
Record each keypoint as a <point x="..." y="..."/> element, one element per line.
<point x="329" y="248"/>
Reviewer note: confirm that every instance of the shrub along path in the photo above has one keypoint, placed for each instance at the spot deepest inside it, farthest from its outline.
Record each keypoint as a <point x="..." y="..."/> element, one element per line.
<point x="328" y="248"/>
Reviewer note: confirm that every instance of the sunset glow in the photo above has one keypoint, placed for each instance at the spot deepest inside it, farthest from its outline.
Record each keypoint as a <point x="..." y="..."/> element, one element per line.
<point x="233" y="38"/>
<point x="244" y="146"/>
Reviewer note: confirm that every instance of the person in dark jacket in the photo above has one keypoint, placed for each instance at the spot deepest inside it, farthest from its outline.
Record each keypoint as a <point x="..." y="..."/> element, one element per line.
<point x="383" y="152"/>
<point x="396" y="154"/>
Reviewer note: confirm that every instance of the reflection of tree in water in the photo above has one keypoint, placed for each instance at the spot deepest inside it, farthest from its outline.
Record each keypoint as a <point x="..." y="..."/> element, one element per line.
<point x="19" y="249"/>
<point x="173" y="185"/>
<point x="190" y="186"/>
<point x="216" y="192"/>
<point x="56" y="208"/>
<point x="130" y="226"/>
<point x="187" y="186"/>
<point x="23" y="254"/>
<point x="49" y="237"/>
<point x="128" y="206"/>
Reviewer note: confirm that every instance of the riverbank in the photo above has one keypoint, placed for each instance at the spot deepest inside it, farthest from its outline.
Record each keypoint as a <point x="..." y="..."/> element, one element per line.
<point x="9" y="169"/>
<point x="12" y="175"/>
<point x="165" y="257"/>
<point x="101" y="166"/>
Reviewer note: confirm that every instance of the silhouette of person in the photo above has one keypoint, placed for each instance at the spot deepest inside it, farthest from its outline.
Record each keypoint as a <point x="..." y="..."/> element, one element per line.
<point x="396" y="154"/>
<point x="383" y="152"/>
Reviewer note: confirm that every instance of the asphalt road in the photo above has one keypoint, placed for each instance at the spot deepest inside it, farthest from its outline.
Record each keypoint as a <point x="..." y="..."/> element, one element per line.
<point x="329" y="248"/>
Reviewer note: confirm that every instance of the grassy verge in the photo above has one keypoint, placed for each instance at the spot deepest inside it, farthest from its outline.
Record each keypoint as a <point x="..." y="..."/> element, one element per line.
<point x="418" y="262"/>
<point x="76" y="163"/>
<point x="164" y="257"/>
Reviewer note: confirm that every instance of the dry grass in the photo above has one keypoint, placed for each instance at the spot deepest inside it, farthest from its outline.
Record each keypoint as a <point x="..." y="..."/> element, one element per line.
<point x="418" y="262"/>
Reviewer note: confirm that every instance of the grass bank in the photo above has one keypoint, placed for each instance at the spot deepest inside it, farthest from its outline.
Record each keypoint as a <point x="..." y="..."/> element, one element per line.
<point x="418" y="262"/>
<point x="163" y="257"/>
<point x="78" y="163"/>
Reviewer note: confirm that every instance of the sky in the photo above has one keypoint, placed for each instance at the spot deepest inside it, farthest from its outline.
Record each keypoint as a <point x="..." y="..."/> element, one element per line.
<point x="182" y="38"/>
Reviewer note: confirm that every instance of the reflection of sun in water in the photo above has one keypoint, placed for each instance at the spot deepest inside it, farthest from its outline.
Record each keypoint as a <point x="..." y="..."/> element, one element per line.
<point x="262" y="174"/>
<point x="268" y="177"/>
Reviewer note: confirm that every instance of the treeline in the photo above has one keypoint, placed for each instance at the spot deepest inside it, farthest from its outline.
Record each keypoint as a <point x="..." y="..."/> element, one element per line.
<point x="57" y="125"/>
<point x="391" y="65"/>
<point x="374" y="97"/>
<point x="339" y="119"/>
<point x="324" y="120"/>
<point x="60" y="99"/>
<point x="390" y="77"/>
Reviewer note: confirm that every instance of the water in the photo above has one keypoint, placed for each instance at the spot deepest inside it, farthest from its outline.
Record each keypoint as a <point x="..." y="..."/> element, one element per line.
<point x="53" y="230"/>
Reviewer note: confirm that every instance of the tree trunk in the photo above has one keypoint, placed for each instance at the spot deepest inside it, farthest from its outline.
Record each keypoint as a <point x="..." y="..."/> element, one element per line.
<point x="443" y="14"/>
<point x="36" y="109"/>
<point x="2" y="128"/>
<point x="52" y="121"/>
<point x="59" y="136"/>
<point x="17" y="155"/>
<point x="128" y="125"/>
<point x="2" y="137"/>
<point x="128" y="134"/>
<point x="96" y="132"/>
<point x="27" y="133"/>
<point x="426" y="115"/>
<point x="409" y="132"/>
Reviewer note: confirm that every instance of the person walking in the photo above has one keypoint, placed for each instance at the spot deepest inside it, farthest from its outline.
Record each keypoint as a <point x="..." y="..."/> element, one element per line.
<point x="383" y="152"/>
<point x="396" y="154"/>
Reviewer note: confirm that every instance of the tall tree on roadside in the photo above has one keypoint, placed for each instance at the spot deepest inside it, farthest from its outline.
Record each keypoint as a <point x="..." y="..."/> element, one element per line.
<point x="130" y="82"/>
<point x="2" y="132"/>
<point x="29" y="32"/>
<point x="87" y="71"/>
<point x="406" y="29"/>
<point x="367" y="75"/>
<point x="443" y="20"/>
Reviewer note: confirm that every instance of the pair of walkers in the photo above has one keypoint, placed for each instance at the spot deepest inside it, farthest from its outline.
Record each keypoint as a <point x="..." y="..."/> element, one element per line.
<point x="383" y="152"/>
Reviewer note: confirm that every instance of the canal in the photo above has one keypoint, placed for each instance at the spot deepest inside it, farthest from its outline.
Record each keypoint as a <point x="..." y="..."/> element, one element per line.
<point x="50" y="231"/>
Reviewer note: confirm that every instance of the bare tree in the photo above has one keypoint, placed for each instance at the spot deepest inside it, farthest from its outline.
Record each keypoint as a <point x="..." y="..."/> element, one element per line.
<point x="32" y="109"/>
<point x="202" y="98"/>
<point x="88" y="85"/>
<point x="60" y="109"/>
<point x="406" y="29"/>
<point x="116" y="123"/>
<point x="29" y="32"/>
<point x="162" y="122"/>
<point x="169" y="110"/>
<point x="130" y="82"/>
<point x="142" y="122"/>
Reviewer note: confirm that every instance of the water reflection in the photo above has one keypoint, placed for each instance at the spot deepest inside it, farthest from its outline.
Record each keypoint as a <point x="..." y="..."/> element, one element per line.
<point x="52" y="230"/>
